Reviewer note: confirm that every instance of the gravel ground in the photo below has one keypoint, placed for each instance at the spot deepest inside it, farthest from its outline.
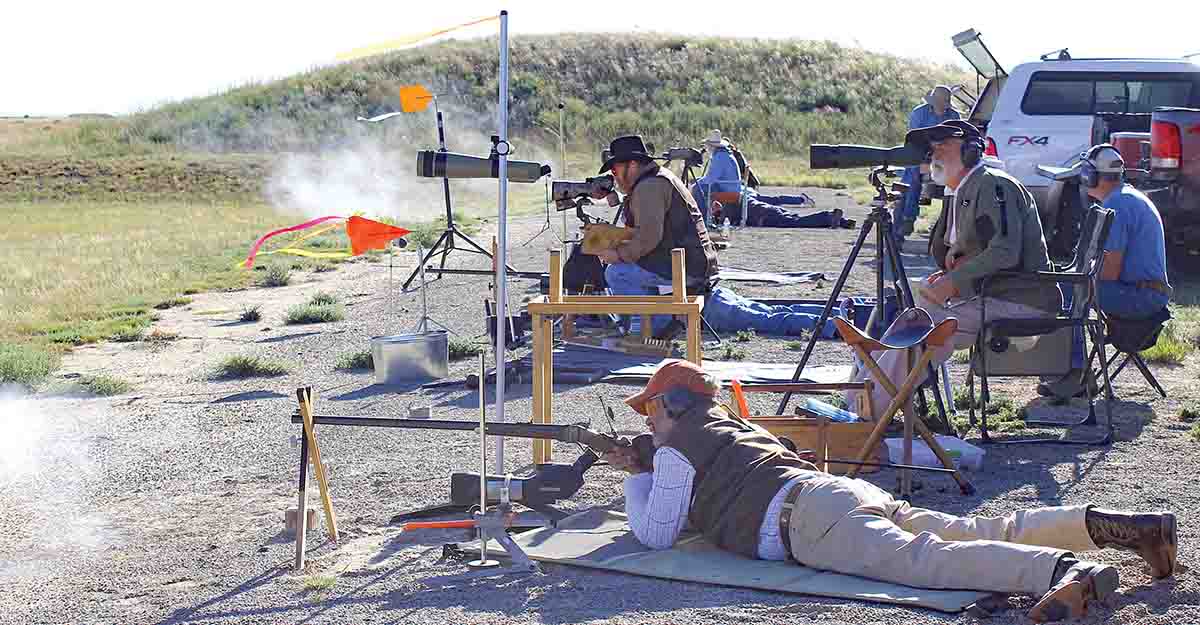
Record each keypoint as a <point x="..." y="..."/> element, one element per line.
<point x="164" y="505"/>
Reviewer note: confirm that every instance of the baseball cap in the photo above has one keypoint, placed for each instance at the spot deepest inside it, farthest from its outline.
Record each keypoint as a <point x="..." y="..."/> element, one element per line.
<point x="674" y="373"/>
<point x="946" y="130"/>
<point x="1105" y="158"/>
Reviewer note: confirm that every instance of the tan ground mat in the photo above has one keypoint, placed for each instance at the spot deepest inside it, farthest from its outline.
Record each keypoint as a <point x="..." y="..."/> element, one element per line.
<point x="602" y="539"/>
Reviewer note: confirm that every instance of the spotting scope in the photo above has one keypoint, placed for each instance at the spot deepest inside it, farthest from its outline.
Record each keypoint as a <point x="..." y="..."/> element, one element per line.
<point x="433" y="164"/>
<point x="822" y="156"/>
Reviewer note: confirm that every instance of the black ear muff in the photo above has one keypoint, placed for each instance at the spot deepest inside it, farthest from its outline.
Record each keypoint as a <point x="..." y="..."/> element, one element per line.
<point x="1088" y="176"/>
<point x="971" y="151"/>
<point x="677" y="401"/>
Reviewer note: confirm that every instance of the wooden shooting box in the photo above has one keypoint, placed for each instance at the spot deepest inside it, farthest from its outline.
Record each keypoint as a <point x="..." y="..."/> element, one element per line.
<point x="843" y="440"/>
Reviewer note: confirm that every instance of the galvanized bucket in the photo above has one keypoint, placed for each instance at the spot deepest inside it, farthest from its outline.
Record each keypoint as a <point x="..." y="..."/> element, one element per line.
<point x="407" y="358"/>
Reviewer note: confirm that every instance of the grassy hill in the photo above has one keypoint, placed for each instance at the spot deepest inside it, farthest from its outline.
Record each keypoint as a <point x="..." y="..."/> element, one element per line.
<point x="773" y="97"/>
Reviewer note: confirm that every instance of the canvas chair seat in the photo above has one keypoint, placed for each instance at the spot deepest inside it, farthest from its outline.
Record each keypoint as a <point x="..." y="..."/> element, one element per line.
<point x="911" y="328"/>
<point x="1135" y="335"/>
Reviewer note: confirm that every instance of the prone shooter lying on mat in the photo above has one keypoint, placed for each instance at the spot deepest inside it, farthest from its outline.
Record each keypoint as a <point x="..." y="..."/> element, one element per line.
<point x="741" y="488"/>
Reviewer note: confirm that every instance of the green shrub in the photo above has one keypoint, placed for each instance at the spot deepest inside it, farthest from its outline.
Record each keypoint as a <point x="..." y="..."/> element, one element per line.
<point x="238" y="367"/>
<point x="105" y="385"/>
<point x="173" y="302"/>
<point x="1194" y="433"/>
<point x="356" y="360"/>
<point x="461" y="349"/>
<point x="25" y="364"/>
<point x="795" y="346"/>
<point x="277" y="275"/>
<point x="744" y="336"/>
<point x="310" y="313"/>
<point x="127" y="334"/>
<point x="732" y="352"/>
<point x="251" y="313"/>
<point x="321" y="298"/>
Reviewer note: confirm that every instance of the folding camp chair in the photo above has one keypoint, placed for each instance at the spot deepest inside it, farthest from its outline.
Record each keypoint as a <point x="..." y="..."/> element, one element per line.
<point x="912" y="330"/>
<point x="1024" y="347"/>
<point x="1130" y="336"/>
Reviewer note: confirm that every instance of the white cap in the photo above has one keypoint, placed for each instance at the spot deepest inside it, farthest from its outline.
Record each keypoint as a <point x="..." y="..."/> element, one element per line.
<point x="714" y="139"/>
<point x="1105" y="158"/>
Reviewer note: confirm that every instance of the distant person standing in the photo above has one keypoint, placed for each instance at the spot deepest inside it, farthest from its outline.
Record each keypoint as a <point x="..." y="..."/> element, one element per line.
<point x="934" y="111"/>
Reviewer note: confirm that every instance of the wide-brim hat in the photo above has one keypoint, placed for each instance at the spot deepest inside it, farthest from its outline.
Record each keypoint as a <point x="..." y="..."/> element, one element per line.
<point x="627" y="148"/>
<point x="716" y="140"/>
<point x="932" y="92"/>
<point x="673" y="374"/>
<point x="940" y="132"/>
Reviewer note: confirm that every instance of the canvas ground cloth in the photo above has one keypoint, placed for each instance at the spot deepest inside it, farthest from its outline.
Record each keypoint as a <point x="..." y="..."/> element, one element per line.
<point x="601" y="539"/>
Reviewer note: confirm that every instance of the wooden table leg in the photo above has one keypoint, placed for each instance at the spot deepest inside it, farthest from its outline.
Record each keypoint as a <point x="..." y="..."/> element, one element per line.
<point x="538" y="381"/>
<point x="543" y="449"/>
<point x="694" y="344"/>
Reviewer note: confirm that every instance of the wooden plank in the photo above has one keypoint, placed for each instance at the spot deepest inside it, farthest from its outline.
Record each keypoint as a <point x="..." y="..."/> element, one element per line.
<point x="538" y="381"/>
<point x="694" y="346"/>
<point x="543" y="450"/>
<point x="306" y="411"/>
<point x="302" y="506"/>
<point x="647" y="329"/>
<point x="678" y="276"/>
<point x="556" y="293"/>
<point x="570" y="308"/>
<point x="822" y="442"/>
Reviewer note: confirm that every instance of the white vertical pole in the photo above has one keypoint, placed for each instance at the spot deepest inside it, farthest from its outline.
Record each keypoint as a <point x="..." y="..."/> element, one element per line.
<point x="502" y="240"/>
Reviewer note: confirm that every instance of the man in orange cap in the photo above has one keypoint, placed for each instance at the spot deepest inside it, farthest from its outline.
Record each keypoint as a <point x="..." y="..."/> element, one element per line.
<point x="747" y="493"/>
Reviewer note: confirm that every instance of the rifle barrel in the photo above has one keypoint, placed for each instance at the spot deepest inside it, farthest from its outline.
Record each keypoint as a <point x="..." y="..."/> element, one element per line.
<point x="565" y="433"/>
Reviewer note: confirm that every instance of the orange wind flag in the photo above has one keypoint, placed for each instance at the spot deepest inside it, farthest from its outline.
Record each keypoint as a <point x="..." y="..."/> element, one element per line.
<point x="366" y="234"/>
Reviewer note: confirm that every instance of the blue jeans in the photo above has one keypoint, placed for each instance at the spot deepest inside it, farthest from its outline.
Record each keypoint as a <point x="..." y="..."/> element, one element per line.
<point x="632" y="279"/>
<point x="727" y="311"/>
<point x="910" y="206"/>
<point x="1118" y="299"/>
<point x="796" y="200"/>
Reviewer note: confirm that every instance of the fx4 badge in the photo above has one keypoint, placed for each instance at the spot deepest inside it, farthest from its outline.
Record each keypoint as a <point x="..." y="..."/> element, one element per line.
<point x="1019" y="140"/>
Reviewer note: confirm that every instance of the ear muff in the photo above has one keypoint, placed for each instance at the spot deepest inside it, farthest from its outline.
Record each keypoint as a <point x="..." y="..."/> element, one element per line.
<point x="1089" y="176"/>
<point x="971" y="151"/>
<point x="677" y="401"/>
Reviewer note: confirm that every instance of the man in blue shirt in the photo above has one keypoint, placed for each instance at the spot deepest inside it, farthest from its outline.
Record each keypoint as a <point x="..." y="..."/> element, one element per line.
<point x="724" y="175"/>
<point x="1133" y="275"/>
<point x="934" y="111"/>
<point x="1133" y="278"/>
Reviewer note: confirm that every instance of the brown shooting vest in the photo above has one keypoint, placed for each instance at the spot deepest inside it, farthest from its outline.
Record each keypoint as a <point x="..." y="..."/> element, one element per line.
<point x="740" y="467"/>
<point x="683" y="227"/>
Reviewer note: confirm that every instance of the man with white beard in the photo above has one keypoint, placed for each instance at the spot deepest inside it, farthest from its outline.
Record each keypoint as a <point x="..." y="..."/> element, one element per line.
<point x="990" y="225"/>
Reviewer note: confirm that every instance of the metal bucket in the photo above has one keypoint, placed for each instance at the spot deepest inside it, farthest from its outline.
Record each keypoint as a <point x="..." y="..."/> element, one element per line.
<point x="410" y="357"/>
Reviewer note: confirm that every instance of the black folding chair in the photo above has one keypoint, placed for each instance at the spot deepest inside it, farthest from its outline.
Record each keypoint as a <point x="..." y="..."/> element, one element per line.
<point x="1131" y="336"/>
<point x="997" y="338"/>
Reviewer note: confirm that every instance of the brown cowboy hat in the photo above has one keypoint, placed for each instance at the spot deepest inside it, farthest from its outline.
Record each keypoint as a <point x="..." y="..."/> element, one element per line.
<point x="626" y="148"/>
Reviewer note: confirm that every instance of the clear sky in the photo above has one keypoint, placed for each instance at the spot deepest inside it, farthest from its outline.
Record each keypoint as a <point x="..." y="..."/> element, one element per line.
<point x="122" y="55"/>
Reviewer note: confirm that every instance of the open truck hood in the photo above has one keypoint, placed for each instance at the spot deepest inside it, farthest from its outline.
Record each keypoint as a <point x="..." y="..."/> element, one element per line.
<point x="969" y="43"/>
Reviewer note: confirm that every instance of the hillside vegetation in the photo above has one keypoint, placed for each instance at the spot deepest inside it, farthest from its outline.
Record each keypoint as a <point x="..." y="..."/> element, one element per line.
<point x="773" y="97"/>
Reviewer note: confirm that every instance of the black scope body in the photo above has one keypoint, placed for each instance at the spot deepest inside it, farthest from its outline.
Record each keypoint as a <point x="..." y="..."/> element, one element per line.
<point x="571" y="189"/>
<point x="433" y="164"/>
<point x="821" y="156"/>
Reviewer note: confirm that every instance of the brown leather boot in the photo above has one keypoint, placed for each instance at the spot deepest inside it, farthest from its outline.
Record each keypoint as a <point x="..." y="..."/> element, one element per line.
<point x="1075" y="584"/>
<point x="1150" y="535"/>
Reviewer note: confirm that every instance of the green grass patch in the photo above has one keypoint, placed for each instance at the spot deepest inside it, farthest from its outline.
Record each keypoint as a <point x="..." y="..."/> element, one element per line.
<point x="321" y="298"/>
<point x="1189" y="411"/>
<point x="240" y="367"/>
<point x="744" y="336"/>
<point x="121" y="326"/>
<point x="461" y="349"/>
<point x="733" y="352"/>
<point x="173" y="302"/>
<point x="795" y="346"/>
<point x="128" y="334"/>
<point x="356" y="360"/>
<point x="26" y="364"/>
<point x="105" y="385"/>
<point x="1178" y="338"/>
<point x="319" y="583"/>
<point x="324" y="268"/>
<point x="161" y="336"/>
<point x="426" y="233"/>
<point x="314" y="313"/>
<point x="1194" y="433"/>
<point x="1003" y="413"/>
<point x="276" y="275"/>
<point x="250" y="313"/>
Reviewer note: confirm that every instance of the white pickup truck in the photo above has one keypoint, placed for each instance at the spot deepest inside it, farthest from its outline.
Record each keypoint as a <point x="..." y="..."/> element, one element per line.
<point x="1047" y="112"/>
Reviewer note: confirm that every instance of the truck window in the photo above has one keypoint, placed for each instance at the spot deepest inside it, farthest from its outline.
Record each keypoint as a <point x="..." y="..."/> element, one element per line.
<point x="1089" y="93"/>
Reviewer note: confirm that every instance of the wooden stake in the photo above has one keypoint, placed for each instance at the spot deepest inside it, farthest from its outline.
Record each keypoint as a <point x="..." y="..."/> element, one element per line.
<point x="305" y="397"/>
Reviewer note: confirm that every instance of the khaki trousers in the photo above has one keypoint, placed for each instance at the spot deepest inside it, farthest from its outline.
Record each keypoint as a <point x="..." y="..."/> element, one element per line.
<point x="851" y="526"/>
<point x="895" y="362"/>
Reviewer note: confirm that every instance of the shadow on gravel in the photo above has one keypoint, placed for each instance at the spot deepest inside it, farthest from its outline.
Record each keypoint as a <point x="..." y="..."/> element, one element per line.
<point x="377" y="390"/>
<point x="248" y="396"/>
<point x="288" y="337"/>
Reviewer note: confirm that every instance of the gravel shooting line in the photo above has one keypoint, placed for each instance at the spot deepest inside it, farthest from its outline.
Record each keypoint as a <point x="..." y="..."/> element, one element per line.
<point x="165" y="505"/>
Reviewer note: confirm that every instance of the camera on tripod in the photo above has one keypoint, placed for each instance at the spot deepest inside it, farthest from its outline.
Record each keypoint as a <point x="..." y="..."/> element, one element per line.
<point x="566" y="192"/>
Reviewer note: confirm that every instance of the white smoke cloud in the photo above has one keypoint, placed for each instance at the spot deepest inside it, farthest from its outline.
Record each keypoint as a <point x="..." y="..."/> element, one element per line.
<point x="46" y="476"/>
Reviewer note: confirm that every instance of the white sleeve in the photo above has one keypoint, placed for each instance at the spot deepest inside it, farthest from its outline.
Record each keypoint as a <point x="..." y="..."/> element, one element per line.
<point x="657" y="503"/>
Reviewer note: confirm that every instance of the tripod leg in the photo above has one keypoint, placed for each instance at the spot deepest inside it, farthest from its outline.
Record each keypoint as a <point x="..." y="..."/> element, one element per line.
<point x="475" y="245"/>
<point x="833" y="295"/>
<point x="905" y="300"/>
<point x="433" y="249"/>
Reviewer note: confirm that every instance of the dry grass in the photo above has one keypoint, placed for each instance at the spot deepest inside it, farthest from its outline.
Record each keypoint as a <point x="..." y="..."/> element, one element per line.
<point x="238" y="367"/>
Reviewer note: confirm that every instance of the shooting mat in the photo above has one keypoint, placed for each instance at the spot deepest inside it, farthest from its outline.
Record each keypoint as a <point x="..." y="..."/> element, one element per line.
<point x="601" y="539"/>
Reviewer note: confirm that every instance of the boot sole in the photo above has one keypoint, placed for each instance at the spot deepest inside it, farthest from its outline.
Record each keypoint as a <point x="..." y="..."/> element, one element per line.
<point x="1170" y="546"/>
<point x="1066" y="602"/>
<point x="1103" y="582"/>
